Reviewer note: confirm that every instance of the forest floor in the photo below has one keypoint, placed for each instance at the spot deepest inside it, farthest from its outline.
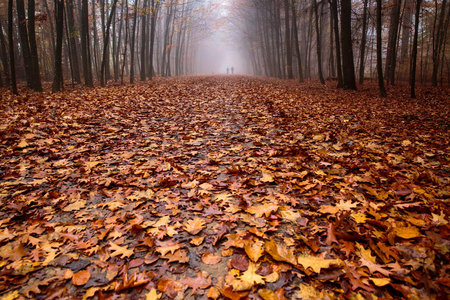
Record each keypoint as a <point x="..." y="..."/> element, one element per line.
<point x="225" y="187"/>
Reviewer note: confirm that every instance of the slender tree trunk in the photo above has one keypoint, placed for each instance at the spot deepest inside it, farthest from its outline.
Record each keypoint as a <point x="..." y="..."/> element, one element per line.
<point x="319" y="50"/>
<point x="11" y="47"/>
<point x="438" y="39"/>
<point x="87" y="69"/>
<point x="297" y="45"/>
<point x="288" y="40"/>
<point x="347" y="51"/>
<point x="73" y="34"/>
<point x="95" y="42"/>
<point x="125" y="43"/>
<point x="103" y="80"/>
<point x="392" y="42"/>
<point x="363" y="44"/>
<point x="133" y="41"/>
<point x="333" y="4"/>
<point x="58" y="75"/>
<point x="414" y="49"/>
<point x="406" y="27"/>
<point x="36" y="74"/>
<point x="379" y="53"/>
<point x="24" y="44"/>
<point x="144" y="40"/>
<point x="4" y="56"/>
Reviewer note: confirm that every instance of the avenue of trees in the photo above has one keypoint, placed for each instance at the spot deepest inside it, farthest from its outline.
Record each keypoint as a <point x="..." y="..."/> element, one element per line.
<point x="350" y="41"/>
<point x="111" y="41"/>
<point x="88" y="41"/>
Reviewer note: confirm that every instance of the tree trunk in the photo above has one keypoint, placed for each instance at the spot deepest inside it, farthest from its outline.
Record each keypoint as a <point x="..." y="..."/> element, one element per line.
<point x="379" y="53"/>
<point x="363" y="44"/>
<point x="104" y="80"/>
<point x="143" y="40"/>
<point x="133" y="41"/>
<point x="11" y="47"/>
<point x="4" y="56"/>
<point x="406" y="27"/>
<point x="297" y="46"/>
<point x="347" y="51"/>
<point x="392" y="42"/>
<point x="414" y="50"/>
<point x="87" y="70"/>
<point x="334" y="11"/>
<point x="288" y="40"/>
<point x="58" y="75"/>
<point x="73" y="34"/>
<point x="438" y="39"/>
<point x="24" y="44"/>
<point x="36" y="74"/>
<point x="319" y="50"/>
<point x="125" y="43"/>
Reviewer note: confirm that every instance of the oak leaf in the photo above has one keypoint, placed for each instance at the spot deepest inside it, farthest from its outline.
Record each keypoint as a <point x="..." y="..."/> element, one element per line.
<point x="194" y="226"/>
<point x="409" y="232"/>
<point x="254" y="250"/>
<point x="122" y="251"/>
<point x="250" y="275"/>
<point x="152" y="295"/>
<point x="169" y="246"/>
<point x="264" y="209"/>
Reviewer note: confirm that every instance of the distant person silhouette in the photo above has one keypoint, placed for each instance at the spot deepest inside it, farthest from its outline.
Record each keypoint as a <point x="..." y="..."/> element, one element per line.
<point x="228" y="70"/>
<point x="232" y="70"/>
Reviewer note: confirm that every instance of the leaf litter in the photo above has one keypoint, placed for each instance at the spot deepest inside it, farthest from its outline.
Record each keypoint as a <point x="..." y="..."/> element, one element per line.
<point x="224" y="188"/>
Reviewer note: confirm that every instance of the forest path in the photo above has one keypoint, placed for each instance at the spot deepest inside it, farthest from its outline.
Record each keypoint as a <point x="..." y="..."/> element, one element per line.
<point x="223" y="187"/>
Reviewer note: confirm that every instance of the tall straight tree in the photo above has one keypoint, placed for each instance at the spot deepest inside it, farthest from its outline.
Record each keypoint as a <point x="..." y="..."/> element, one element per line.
<point x="24" y="43"/>
<point x="133" y="41"/>
<point x="414" y="49"/>
<point x="58" y="74"/>
<point x="11" y="47"/>
<point x="144" y="40"/>
<point x="36" y="74"/>
<point x="297" y="45"/>
<point x="438" y="40"/>
<point x="106" y="44"/>
<point x="73" y="34"/>
<point x="4" y="56"/>
<point x="379" y="53"/>
<point x="154" y="16"/>
<point x="319" y="42"/>
<point x="87" y="68"/>
<point x="288" y="40"/>
<point x="391" y="54"/>
<point x="363" y="44"/>
<point x="348" y="67"/>
<point x="334" y="12"/>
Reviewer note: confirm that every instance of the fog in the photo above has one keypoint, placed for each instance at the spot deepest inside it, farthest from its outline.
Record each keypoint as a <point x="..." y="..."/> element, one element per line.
<point x="221" y="48"/>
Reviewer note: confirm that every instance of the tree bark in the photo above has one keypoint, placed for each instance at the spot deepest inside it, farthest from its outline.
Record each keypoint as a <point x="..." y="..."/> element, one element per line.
<point x="363" y="44"/>
<point x="414" y="50"/>
<point x="58" y="74"/>
<point x="4" y="56"/>
<point x="334" y="11"/>
<point x="36" y="74"/>
<point x="133" y="41"/>
<point x="288" y="40"/>
<point x="347" y="51"/>
<point x="73" y="34"/>
<point x="391" y="54"/>
<point x="438" y="39"/>
<point x="297" y="46"/>
<point x="319" y="48"/>
<point x="143" y="41"/>
<point x="24" y="43"/>
<point x="11" y="48"/>
<point x="87" y="69"/>
<point x="103" y="80"/>
<point x="379" y="53"/>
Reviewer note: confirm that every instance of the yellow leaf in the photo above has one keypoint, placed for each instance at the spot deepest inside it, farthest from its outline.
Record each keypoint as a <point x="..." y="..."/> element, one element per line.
<point x="266" y="178"/>
<point x="366" y="254"/>
<point x="406" y="142"/>
<point x="75" y="205"/>
<point x="213" y="293"/>
<point x="254" y="250"/>
<point x="409" y="232"/>
<point x="439" y="219"/>
<point x="308" y="292"/>
<point x="328" y="209"/>
<point x="11" y="296"/>
<point x="272" y="277"/>
<point x="380" y="281"/>
<point x="290" y="215"/>
<point x="267" y="294"/>
<point x="198" y="240"/>
<point x="359" y="218"/>
<point x="345" y="205"/>
<point x="241" y="285"/>
<point x="260" y="210"/>
<point x="318" y="263"/>
<point x="92" y="164"/>
<point x="22" y="144"/>
<point x="152" y="295"/>
<point x="122" y="251"/>
<point x="250" y="275"/>
<point x="90" y="292"/>
<point x="319" y="137"/>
